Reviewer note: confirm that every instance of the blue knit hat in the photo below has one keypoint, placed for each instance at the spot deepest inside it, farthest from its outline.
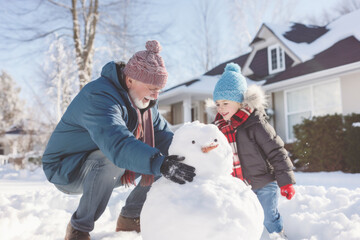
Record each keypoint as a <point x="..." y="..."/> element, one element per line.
<point x="231" y="85"/>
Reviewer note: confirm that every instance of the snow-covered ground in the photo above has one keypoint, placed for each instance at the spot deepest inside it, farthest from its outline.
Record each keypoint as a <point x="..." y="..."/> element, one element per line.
<point x="326" y="206"/>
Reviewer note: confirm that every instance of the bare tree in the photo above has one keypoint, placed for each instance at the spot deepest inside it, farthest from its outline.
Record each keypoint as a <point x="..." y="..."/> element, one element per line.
<point x="133" y="23"/>
<point x="84" y="46"/>
<point x="206" y="34"/>
<point x="76" y="19"/>
<point x="84" y="16"/>
<point x="223" y="29"/>
<point x="120" y="23"/>
<point x="35" y="21"/>
<point x="341" y="8"/>
<point x="208" y="40"/>
<point x="116" y="31"/>
<point x="246" y="17"/>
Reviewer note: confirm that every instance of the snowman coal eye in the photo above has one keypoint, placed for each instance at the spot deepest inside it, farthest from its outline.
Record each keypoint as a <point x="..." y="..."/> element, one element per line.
<point x="193" y="142"/>
<point x="215" y="140"/>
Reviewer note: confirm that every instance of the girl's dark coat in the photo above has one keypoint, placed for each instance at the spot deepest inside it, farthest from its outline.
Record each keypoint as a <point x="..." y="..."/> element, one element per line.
<point x="262" y="154"/>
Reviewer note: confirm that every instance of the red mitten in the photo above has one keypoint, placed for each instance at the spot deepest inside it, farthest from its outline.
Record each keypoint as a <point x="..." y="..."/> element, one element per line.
<point x="287" y="191"/>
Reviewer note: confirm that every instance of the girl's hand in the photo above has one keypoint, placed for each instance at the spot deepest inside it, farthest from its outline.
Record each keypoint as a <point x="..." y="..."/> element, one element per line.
<point x="287" y="191"/>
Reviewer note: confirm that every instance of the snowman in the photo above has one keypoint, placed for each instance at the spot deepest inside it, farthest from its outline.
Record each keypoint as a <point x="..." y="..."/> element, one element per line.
<point x="215" y="206"/>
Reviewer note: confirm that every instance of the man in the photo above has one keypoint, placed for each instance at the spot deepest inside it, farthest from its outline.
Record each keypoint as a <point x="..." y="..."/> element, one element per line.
<point x="111" y="134"/>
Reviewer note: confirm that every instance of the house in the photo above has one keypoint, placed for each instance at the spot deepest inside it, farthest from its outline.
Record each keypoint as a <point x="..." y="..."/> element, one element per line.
<point x="7" y="145"/>
<point x="17" y="146"/>
<point x="305" y="70"/>
<point x="7" y="140"/>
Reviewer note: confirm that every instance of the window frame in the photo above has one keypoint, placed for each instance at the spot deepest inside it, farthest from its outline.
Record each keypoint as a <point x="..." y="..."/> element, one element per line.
<point x="311" y="107"/>
<point x="280" y="54"/>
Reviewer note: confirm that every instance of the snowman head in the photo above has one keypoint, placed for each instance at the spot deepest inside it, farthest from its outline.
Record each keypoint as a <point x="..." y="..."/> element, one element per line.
<point x="204" y="147"/>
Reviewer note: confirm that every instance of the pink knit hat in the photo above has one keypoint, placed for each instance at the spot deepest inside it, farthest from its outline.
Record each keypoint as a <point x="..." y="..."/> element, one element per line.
<point x="148" y="66"/>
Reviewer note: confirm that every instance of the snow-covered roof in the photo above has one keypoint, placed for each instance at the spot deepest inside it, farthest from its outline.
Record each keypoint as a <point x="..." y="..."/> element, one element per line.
<point x="204" y="85"/>
<point x="339" y="29"/>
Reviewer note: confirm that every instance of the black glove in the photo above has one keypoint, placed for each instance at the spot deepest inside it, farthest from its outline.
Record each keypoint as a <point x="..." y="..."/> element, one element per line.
<point x="178" y="172"/>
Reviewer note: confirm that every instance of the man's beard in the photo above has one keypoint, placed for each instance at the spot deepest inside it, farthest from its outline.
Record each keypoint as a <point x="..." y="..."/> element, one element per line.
<point x="139" y="103"/>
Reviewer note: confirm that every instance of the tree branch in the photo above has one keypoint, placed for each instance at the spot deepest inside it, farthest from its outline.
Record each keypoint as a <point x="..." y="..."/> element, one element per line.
<point x="39" y="36"/>
<point x="59" y="4"/>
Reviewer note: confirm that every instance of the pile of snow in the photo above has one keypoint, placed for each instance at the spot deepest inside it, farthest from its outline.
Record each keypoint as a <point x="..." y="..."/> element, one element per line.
<point x="326" y="206"/>
<point x="214" y="206"/>
<point x="356" y="124"/>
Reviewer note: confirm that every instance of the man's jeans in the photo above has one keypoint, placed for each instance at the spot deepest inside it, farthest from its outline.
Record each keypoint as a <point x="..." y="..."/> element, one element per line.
<point x="268" y="197"/>
<point x="97" y="179"/>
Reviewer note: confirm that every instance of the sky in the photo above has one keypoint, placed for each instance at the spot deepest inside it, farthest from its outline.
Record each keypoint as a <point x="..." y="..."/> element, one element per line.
<point x="25" y="69"/>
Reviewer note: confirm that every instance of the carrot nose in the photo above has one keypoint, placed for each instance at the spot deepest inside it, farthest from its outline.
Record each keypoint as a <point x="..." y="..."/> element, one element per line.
<point x="209" y="148"/>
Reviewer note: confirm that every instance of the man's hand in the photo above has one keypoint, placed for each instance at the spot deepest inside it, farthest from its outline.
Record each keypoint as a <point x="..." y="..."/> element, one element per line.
<point x="178" y="172"/>
<point x="287" y="191"/>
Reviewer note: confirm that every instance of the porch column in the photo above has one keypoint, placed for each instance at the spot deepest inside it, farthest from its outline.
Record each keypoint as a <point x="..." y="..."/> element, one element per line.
<point x="187" y="109"/>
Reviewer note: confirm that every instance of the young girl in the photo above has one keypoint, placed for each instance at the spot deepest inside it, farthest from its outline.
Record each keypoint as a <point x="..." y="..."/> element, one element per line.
<point x="260" y="158"/>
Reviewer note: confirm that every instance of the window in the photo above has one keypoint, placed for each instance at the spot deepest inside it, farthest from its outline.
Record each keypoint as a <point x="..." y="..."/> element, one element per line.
<point x="276" y="59"/>
<point x="313" y="100"/>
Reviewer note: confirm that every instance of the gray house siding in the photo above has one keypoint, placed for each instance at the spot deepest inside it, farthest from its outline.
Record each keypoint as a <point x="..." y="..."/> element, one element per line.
<point x="350" y="92"/>
<point x="279" y="114"/>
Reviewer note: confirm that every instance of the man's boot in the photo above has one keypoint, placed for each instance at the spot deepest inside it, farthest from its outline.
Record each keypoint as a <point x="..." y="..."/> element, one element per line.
<point x="73" y="234"/>
<point x="128" y="224"/>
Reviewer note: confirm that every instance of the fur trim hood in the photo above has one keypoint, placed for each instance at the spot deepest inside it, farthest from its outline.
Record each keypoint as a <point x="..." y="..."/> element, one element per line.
<point x="254" y="97"/>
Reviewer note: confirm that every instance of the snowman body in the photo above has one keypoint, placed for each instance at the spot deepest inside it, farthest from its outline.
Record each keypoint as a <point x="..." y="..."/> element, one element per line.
<point x="215" y="206"/>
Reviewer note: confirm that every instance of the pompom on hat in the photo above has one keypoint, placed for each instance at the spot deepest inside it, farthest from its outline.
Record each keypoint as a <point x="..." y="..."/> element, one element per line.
<point x="148" y="66"/>
<point x="231" y="85"/>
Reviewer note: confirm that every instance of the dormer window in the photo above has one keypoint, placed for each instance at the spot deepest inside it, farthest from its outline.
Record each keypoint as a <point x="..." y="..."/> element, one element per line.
<point x="276" y="59"/>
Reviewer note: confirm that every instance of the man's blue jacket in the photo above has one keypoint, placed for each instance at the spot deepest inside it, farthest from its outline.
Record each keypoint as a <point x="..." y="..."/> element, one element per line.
<point x="101" y="117"/>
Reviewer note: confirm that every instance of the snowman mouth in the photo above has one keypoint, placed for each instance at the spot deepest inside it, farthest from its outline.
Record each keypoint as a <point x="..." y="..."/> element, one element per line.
<point x="209" y="148"/>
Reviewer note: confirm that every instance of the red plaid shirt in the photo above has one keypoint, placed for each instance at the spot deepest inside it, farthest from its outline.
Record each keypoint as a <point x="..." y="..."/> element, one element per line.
<point x="229" y="128"/>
